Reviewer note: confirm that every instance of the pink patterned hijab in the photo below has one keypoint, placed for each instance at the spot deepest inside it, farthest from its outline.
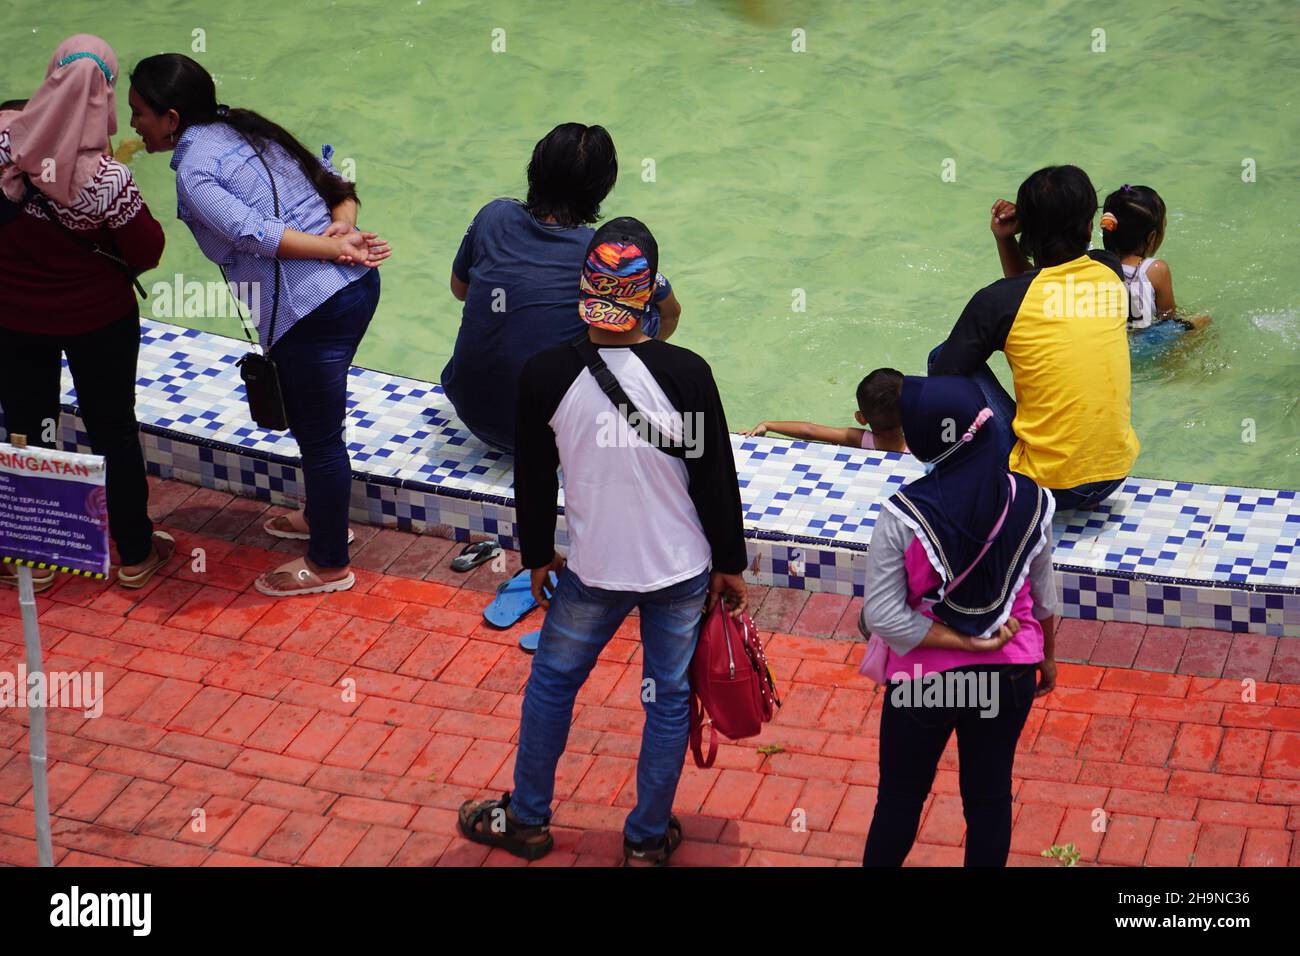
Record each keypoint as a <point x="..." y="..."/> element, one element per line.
<point x="68" y="120"/>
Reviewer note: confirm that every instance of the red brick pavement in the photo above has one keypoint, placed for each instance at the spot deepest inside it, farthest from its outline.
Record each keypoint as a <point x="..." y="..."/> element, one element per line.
<point x="222" y="700"/>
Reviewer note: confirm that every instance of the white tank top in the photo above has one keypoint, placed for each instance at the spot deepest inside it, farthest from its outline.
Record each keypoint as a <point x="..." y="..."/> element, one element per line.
<point x="1141" y="295"/>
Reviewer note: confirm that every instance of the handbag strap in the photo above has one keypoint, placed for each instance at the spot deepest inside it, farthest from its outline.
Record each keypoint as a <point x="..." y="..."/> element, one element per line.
<point x="647" y="429"/>
<point x="952" y="585"/>
<point x="275" y="297"/>
<point x="43" y="201"/>
<point x="697" y="735"/>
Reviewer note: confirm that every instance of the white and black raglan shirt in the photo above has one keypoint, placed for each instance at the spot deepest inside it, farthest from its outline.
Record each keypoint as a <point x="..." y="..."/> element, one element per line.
<point x="638" y="518"/>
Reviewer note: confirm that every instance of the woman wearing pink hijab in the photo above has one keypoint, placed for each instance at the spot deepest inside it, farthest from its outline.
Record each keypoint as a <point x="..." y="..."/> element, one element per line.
<point x="74" y="232"/>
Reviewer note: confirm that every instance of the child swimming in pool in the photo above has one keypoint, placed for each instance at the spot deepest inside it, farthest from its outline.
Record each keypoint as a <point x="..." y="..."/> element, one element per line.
<point x="878" y="395"/>
<point x="1133" y="221"/>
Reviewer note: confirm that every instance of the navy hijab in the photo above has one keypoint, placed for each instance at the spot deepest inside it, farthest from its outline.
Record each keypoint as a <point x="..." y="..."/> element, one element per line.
<point x="953" y="508"/>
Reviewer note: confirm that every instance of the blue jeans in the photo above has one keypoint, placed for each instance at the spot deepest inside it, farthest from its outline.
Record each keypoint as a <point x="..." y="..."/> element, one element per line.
<point x="313" y="359"/>
<point x="1003" y="406"/>
<point x="580" y="622"/>
<point x="1086" y="496"/>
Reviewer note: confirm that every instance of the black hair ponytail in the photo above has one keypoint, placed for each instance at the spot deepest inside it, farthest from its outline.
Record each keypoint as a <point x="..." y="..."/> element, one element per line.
<point x="173" y="81"/>
<point x="1129" y="216"/>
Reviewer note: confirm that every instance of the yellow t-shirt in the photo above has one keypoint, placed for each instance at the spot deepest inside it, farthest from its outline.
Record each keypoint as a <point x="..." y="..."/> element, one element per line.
<point x="1064" y="332"/>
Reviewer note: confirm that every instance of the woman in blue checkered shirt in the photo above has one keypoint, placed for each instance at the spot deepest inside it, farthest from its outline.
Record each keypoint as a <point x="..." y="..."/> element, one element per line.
<point x="281" y="222"/>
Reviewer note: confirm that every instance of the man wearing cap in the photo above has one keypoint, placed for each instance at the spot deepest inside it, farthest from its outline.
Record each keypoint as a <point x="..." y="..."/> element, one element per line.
<point x="654" y="521"/>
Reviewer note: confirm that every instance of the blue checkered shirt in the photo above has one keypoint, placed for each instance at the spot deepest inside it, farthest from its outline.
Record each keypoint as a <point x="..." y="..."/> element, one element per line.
<point x="223" y="195"/>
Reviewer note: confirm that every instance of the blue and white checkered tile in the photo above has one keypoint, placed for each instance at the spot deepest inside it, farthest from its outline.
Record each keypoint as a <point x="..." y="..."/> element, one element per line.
<point x="1105" y="598"/>
<point x="1151" y="527"/>
<point x="1256" y="537"/>
<point x="815" y="490"/>
<point x="1159" y="552"/>
<point x="72" y="434"/>
<point x="808" y="567"/>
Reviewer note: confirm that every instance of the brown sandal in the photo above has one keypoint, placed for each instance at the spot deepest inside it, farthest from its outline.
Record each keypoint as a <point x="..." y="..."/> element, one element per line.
<point x="305" y="581"/>
<point x="489" y="822"/>
<point x="280" y="527"/>
<point x="656" y="853"/>
<point x="164" y="546"/>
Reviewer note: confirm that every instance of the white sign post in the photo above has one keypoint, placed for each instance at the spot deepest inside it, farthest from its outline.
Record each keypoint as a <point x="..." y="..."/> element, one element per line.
<point x="52" y="515"/>
<point x="36" y="729"/>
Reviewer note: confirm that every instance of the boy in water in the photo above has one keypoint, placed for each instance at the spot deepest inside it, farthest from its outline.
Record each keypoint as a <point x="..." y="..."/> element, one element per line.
<point x="877" y="409"/>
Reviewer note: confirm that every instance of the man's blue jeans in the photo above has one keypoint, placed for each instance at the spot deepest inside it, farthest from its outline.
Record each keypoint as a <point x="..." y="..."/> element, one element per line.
<point x="580" y="622"/>
<point x="1003" y="407"/>
<point x="313" y="359"/>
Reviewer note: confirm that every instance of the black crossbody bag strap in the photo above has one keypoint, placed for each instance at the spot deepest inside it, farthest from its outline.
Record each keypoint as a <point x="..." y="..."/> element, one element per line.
<point x="647" y="429"/>
<point x="258" y="370"/>
<point x="275" y="297"/>
<point x="43" y="201"/>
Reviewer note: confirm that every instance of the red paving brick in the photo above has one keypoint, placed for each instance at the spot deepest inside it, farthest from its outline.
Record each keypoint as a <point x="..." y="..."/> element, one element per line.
<point x="1153" y="750"/>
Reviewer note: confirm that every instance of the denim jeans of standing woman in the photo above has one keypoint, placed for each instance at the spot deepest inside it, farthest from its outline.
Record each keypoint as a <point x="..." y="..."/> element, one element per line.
<point x="313" y="359"/>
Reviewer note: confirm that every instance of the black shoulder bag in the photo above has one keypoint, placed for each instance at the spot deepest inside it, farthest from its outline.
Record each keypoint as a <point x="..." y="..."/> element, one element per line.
<point x="643" y="426"/>
<point x="261" y="377"/>
<point x="43" y="201"/>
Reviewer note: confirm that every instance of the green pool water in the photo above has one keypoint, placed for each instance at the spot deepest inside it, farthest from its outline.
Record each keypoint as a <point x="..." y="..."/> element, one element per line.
<point x="777" y="171"/>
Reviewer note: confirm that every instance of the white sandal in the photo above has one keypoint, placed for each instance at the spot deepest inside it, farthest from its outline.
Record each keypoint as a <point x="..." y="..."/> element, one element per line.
<point x="161" y="555"/>
<point x="304" y="574"/>
<point x="269" y="528"/>
<point x="42" y="580"/>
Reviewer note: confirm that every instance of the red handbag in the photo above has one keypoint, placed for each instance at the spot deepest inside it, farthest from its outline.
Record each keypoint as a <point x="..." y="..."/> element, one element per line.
<point x="731" y="683"/>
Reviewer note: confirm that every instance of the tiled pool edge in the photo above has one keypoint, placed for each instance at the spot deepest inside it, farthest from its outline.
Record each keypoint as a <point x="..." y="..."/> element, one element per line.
<point x="778" y="557"/>
<point x="774" y="560"/>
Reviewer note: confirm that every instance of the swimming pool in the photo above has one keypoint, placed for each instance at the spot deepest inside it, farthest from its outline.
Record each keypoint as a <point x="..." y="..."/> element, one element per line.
<point x="776" y="171"/>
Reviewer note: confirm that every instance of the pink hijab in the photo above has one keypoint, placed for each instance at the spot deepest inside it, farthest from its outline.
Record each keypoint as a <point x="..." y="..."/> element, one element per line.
<point x="68" y="120"/>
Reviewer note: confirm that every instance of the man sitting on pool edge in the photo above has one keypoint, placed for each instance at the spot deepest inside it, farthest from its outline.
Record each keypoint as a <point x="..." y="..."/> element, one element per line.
<point x="1069" y="427"/>
<point x="516" y="273"/>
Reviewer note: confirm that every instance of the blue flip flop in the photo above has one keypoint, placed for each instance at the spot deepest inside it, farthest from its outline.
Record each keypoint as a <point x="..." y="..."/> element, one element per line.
<point x="514" y="599"/>
<point x="528" y="643"/>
